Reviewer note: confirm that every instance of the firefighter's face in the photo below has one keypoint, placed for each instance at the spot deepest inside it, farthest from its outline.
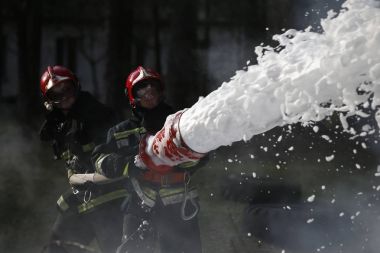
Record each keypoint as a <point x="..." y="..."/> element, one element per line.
<point x="63" y="95"/>
<point x="148" y="96"/>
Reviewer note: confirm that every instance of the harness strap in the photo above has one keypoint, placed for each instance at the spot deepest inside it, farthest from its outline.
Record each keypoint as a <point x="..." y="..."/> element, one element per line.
<point x="125" y="134"/>
<point x="102" y="199"/>
<point x="136" y="186"/>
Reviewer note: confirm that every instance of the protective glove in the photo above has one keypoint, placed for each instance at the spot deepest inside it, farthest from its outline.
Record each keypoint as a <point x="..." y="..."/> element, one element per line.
<point x="139" y="163"/>
<point x="137" y="167"/>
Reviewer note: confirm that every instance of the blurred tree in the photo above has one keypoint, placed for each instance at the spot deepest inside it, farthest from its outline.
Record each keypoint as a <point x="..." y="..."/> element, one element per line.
<point x="184" y="68"/>
<point x="81" y="26"/>
<point x="120" y="22"/>
<point x="2" y="48"/>
<point x="89" y="50"/>
<point x="66" y="48"/>
<point x="28" y="18"/>
<point x="204" y="23"/>
<point x="157" y="27"/>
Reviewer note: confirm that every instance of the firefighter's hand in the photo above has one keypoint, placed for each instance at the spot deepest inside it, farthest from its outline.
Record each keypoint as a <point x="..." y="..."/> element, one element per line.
<point x="137" y="168"/>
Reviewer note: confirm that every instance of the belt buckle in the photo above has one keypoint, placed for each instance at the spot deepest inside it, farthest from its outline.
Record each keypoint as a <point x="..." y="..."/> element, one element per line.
<point x="165" y="181"/>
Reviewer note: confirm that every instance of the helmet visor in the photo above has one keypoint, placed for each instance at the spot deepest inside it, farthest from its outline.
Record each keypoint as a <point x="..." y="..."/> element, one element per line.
<point x="148" y="94"/>
<point x="61" y="92"/>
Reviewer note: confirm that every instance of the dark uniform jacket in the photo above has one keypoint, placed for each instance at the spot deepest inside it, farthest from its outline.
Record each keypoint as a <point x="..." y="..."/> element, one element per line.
<point x="116" y="157"/>
<point x="74" y="137"/>
<point x="156" y="201"/>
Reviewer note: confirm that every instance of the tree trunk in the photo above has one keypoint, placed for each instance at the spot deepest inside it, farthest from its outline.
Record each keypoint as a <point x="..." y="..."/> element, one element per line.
<point x="29" y="40"/>
<point x="88" y="53"/>
<point x="184" y="84"/>
<point x="157" y="44"/>
<point x="120" y="33"/>
<point x="2" y="51"/>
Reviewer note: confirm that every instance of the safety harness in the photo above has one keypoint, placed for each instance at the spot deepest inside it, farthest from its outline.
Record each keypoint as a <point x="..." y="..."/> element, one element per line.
<point x="171" y="188"/>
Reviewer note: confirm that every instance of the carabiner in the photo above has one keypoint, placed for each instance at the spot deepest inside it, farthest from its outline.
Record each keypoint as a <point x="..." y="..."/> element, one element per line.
<point x="183" y="207"/>
<point x="186" y="198"/>
<point x="86" y="198"/>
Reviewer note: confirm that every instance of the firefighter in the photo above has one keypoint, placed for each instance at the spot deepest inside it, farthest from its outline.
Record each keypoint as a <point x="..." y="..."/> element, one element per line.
<point x="75" y="123"/>
<point x="163" y="206"/>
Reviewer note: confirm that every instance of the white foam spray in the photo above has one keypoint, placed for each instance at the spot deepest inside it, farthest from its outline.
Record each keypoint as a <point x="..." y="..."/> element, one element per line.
<point x="312" y="76"/>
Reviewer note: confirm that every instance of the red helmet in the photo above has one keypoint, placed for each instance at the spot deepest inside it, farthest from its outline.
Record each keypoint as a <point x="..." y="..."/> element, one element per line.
<point x="138" y="75"/>
<point x="55" y="75"/>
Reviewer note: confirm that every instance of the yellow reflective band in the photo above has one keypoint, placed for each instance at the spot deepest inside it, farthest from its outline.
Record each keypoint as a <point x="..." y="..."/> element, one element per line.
<point x="62" y="204"/>
<point x="171" y="191"/>
<point x="102" y="199"/>
<point x="99" y="161"/>
<point x="150" y="193"/>
<point x="88" y="147"/>
<point x="188" y="164"/>
<point x="125" y="134"/>
<point x="179" y="197"/>
<point x="125" y="172"/>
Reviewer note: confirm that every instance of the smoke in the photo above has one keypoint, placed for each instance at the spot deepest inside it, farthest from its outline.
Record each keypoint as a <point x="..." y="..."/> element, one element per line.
<point x="28" y="185"/>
